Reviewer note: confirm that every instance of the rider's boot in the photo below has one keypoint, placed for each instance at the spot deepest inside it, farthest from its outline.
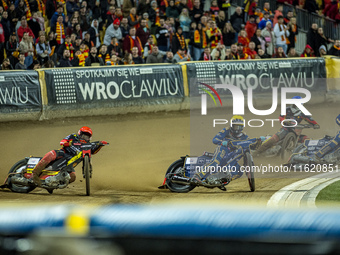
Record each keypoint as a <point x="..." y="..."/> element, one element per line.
<point x="49" y="157"/>
<point x="266" y="145"/>
<point x="196" y="179"/>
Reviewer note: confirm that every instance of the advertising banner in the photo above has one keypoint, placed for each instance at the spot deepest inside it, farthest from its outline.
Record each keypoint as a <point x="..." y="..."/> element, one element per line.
<point x="19" y="91"/>
<point x="113" y="84"/>
<point x="260" y="76"/>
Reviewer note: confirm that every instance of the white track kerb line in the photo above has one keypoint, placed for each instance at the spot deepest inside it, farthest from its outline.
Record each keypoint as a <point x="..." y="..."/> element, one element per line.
<point x="302" y="193"/>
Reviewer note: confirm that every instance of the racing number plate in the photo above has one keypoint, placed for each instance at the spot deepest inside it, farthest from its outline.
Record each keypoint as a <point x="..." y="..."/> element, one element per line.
<point x="32" y="162"/>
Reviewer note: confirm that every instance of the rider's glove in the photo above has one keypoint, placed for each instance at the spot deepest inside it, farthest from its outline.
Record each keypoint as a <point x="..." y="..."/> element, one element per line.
<point x="103" y="142"/>
<point x="316" y="126"/>
<point x="225" y="143"/>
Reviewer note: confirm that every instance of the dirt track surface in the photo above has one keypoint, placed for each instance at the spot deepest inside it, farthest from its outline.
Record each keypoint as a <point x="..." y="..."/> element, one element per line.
<point x="142" y="146"/>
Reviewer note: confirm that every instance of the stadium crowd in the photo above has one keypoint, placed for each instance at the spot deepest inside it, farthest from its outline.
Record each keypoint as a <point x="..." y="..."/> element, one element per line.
<point x="65" y="33"/>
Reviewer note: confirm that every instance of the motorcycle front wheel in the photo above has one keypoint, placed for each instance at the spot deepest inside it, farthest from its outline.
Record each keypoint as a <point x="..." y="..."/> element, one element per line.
<point x="288" y="145"/>
<point x="177" y="169"/>
<point x="17" y="170"/>
<point x="248" y="163"/>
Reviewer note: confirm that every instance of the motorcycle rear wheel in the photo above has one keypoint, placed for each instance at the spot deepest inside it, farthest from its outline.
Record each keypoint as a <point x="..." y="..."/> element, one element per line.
<point x="288" y="145"/>
<point x="250" y="171"/>
<point x="175" y="169"/>
<point x="87" y="174"/>
<point x="16" y="187"/>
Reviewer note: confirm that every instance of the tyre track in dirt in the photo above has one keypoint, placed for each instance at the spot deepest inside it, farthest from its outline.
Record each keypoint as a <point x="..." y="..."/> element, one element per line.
<point x="142" y="146"/>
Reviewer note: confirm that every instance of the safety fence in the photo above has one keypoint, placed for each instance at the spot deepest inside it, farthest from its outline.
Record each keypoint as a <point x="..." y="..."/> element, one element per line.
<point x="69" y="92"/>
<point x="142" y="229"/>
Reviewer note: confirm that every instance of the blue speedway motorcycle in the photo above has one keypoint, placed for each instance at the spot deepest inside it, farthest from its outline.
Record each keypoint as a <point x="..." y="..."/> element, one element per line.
<point x="303" y="155"/>
<point x="179" y="174"/>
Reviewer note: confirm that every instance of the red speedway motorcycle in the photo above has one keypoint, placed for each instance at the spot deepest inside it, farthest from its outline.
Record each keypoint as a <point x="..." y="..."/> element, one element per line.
<point x="55" y="175"/>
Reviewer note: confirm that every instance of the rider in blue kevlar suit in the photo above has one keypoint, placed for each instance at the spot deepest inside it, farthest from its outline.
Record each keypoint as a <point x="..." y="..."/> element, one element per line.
<point x="222" y="154"/>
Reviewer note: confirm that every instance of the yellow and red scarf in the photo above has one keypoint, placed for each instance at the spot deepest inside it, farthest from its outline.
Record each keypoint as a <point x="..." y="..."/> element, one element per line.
<point x="114" y="64"/>
<point x="28" y="13"/>
<point x="85" y="52"/>
<point x="4" y="4"/>
<point x="282" y="36"/>
<point x="157" y="17"/>
<point x="214" y="43"/>
<point x="81" y="58"/>
<point x="181" y="40"/>
<point x="41" y="7"/>
<point x="133" y="19"/>
<point x="107" y="57"/>
<point x="60" y="32"/>
<point x="68" y="48"/>
<point x="132" y="43"/>
<point x="197" y="38"/>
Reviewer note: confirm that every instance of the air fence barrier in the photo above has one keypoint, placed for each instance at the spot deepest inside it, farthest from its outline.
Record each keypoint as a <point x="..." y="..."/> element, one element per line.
<point x="169" y="229"/>
<point x="94" y="91"/>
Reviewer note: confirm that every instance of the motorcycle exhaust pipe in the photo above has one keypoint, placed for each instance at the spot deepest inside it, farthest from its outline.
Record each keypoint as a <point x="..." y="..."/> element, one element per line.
<point x="180" y="180"/>
<point x="20" y="180"/>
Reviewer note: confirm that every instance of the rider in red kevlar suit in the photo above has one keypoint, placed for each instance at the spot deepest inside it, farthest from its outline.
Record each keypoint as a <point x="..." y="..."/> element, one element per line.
<point x="67" y="149"/>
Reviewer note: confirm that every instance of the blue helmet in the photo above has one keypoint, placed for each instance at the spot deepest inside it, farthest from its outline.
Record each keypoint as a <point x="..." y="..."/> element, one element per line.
<point x="297" y="97"/>
<point x="337" y="120"/>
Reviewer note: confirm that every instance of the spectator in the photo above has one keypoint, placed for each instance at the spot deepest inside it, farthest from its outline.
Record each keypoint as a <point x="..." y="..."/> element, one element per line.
<point x="206" y="55"/>
<point x="72" y="24"/>
<point x="12" y="49"/>
<point x="182" y="4"/>
<point x="78" y="31"/>
<point x="228" y="34"/>
<point x="135" y="57"/>
<point x="54" y="19"/>
<point x="43" y="50"/>
<point x="293" y="32"/>
<point x="171" y="10"/>
<point x="143" y="32"/>
<point x="218" y="53"/>
<point x="185" y="21"/>
<point x="155" y="56"/>
<point x="266" y="8"/>
<point x="66" y="45"/>
<point x="321" y="39"/>
<point x="35" y="65"/>
<point x="263" y="21"/>
<point x="162" y="35"/>
<point x="94" y="33"/>
<point x="214" y="9"/>
<point x="241" y="51"/>
<point x="60" y="30"/>
<point x="6" y="25"/>
<point x="124" y="27"/>
<point x="131" y="41"/>
<point x="288" y="17"/>
<point x="322" y="51"/>
<point x="331" y="9"/>
<point x="21" y="64"/>
<point x="12" y="16"/>
<point x="237" y="20"/>
<point x="281" y="33"/>
<point x="127" y="60"/>
<point x="84" y="18"/>
<point x="243" y="38"/>
<point x="87" y="41"/>
<point x="71" y="7"/>
<point x="2" y="43"/>
<point x="221" y="20"/>
<point x="234" y="53"/>
<point x="114" y="48"/>
<point x="278" y="13"/>
<point x="251" y="51"/>
<point x="84" y="49"/>
<point x="53" y="45"/>
<point x="154" y="15"/>
<point x="133" y="19"/>
<point x="312" y="35"/>
<point x="113" y="31"/>
<point x="24" y="29"/>
<point x="21" y="9"/>
<point x="6" y="65"/>
<point x="78" y="60"/>
<point x="180" y="56"/>
<point x="308" y="52"/>
<point x="269" y="37"/>
<point x="169" y="58"/>
<point x="292" y="53"/>
<point x="104" y="54"/>
<point x="93" y="59"/>
<point x="148" y="46"/>
<point x="51" y="7"/>
<point x="178" y="41"/>
<point x="214" y="35"/>
<point x="111" y="16"/>
<point x="197" y="11"/>
<point x="143" y="7"/>
<point x="311" y="6"/>
<point x="251" y="27"/>
<point x="335" y="49"/>
<point x="65" y="60"/>
<point x="26" y="47"/>
<point x="228" y="55"/>
<point x="49" y="64"/>
<point x="259" y="41"/>
<point x="114" y="60"/>
<point x="262" y="54"/>
<point x="279" y="53"/>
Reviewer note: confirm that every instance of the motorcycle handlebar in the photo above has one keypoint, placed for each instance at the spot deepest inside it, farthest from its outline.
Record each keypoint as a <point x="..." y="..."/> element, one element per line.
<point x="303" y="126"/>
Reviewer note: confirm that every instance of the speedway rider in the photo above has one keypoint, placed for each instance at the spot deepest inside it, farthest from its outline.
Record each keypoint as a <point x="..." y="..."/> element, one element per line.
<point x="222" y="155"/>
<point x="68" y="149"/>
<point x="294" y="113"/>
<point x="327" y="150"/>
